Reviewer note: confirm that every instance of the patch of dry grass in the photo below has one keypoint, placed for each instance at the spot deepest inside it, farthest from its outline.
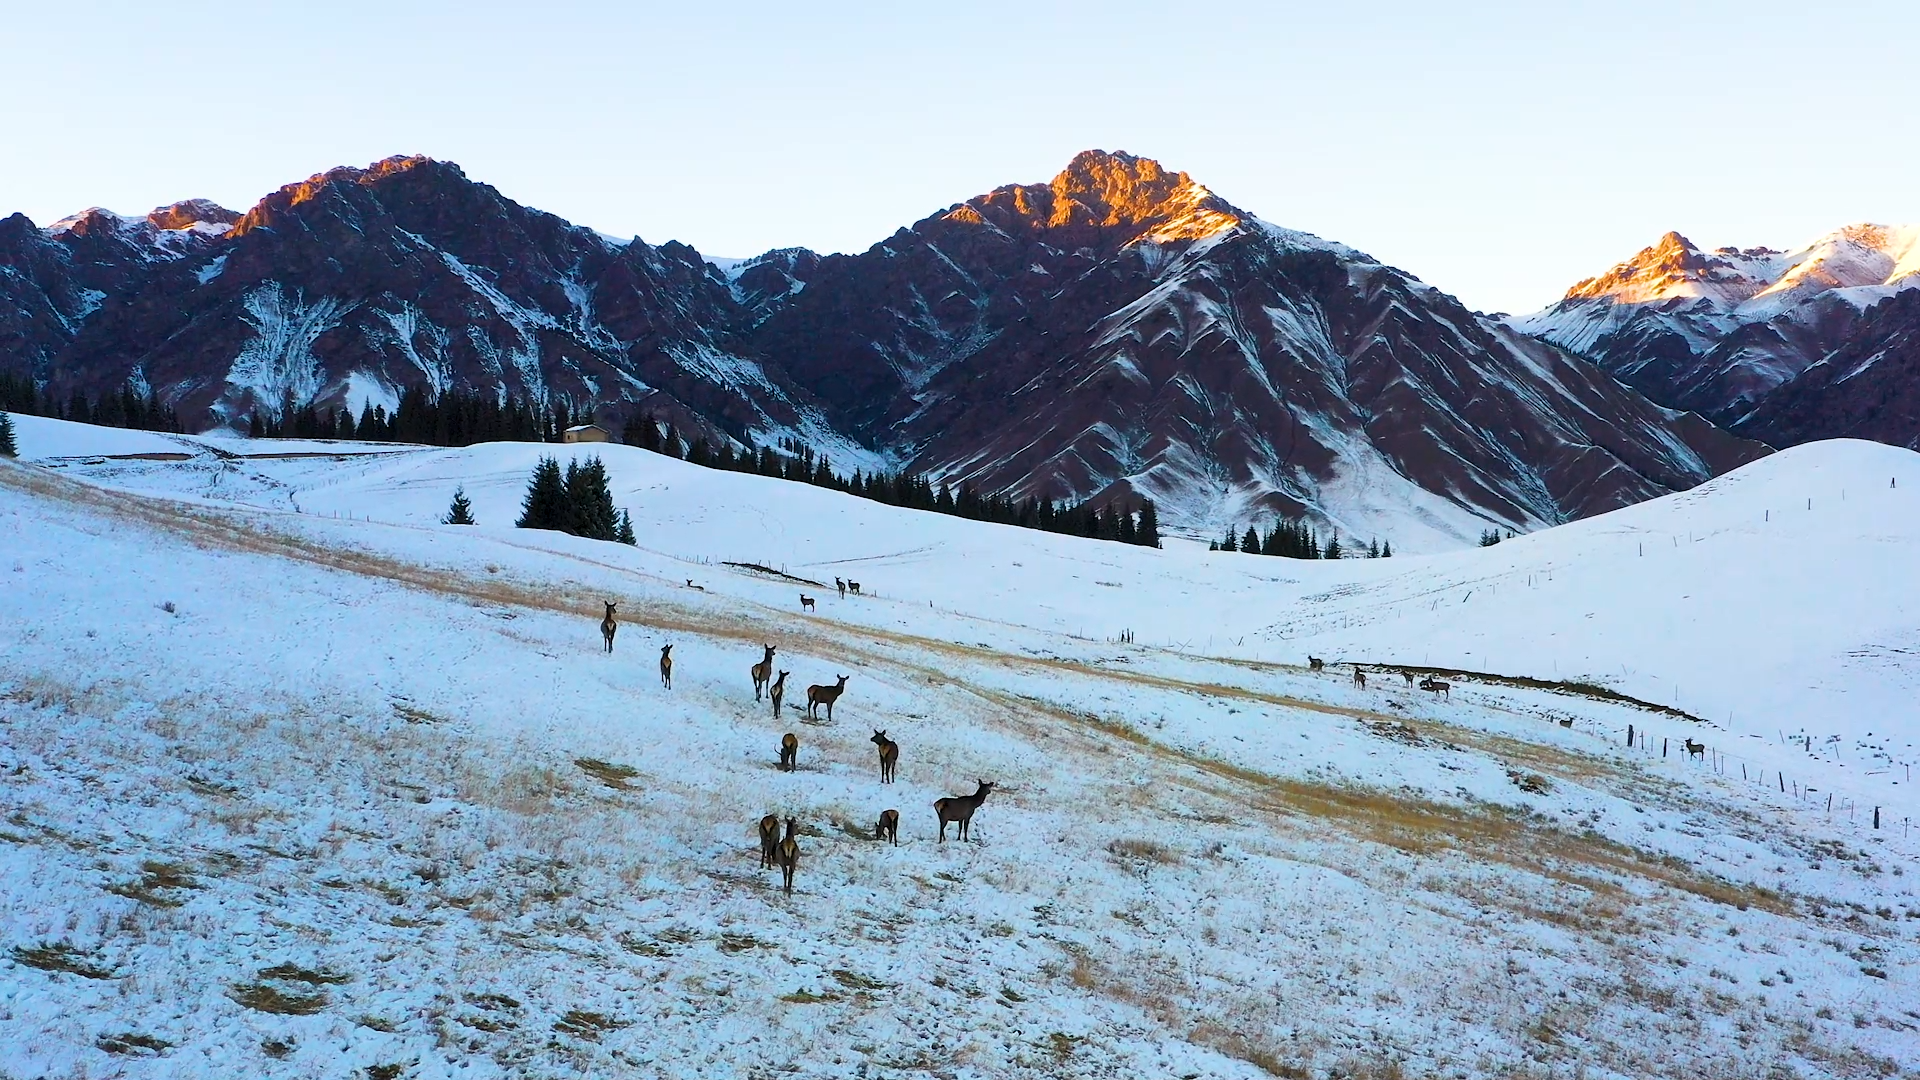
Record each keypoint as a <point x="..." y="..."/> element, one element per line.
<point x="63" y="957"/>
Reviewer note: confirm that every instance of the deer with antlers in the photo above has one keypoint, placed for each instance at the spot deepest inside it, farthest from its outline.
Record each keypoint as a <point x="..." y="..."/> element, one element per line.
<point x="777" y="691"/>
<point x="789" y="752"/>
<point x="769" y="840"/>
<point x="825" y="695"/>
<point x="959" y="809"/>
<point x="806" y="602"/>
<point x="762" y="672"/>
<point x="787" y="855"/>
<point x="889" y="827"/>
<point x="610" y="625"/>
<point x="666" y="666"/>
<point x="889" y="754"/>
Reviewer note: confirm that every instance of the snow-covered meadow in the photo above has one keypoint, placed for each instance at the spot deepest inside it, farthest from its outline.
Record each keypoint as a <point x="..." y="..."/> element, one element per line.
<point x="299" y="782"/>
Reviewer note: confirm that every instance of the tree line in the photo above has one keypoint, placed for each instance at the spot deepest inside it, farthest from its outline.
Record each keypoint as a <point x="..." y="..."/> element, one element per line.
<point x="453" y="418"/>
<point x="798" y="462"/>
<point x="1295" y="540"/>
<point x="127" y="408"/>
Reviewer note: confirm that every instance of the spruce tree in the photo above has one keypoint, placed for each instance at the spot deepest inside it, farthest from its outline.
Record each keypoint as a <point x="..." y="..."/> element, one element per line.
<point x="1333" y="548"/>
<point x="1386" y="552"/>
<point x="545" y="505"/>
<point x="8" y="448"/>
<point x="460" y="511"/>
<point x="590" y="510"/>
<point x="1229" y="544"/>
<point x="1373" y="548"/>
<point x="1250" y="543"/>
<point x="1148" y="534"/>
<point x="626" y="530"/>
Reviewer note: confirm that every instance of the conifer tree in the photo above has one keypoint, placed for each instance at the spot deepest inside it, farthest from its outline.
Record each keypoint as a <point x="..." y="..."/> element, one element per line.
<point x="8" y="448"/>
<point x="1148" y="532"/>
<point x="256" y="429"/>
<point x="1386" y="552"/>
<point x="1333" y="548"/>
<point x="670" y="445"/>
<point x="590" y="510"/>
<point x="545" y="505"/>
<point x="460" y="511"/>
<point x="1229" y="544"/>
<point x="1373" y="548"/>
<point x="1250" y="543"/>
<point x="626" y="530"/>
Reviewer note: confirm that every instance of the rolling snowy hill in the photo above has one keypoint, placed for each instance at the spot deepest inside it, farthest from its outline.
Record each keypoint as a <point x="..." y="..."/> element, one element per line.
<point x="302" y="783"/>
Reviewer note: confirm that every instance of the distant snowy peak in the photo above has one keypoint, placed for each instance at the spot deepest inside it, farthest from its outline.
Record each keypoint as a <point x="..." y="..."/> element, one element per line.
<point x="1101" y="198"/>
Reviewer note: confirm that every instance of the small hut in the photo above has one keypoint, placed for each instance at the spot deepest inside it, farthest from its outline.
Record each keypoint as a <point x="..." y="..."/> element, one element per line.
<point x="586" y="433"/>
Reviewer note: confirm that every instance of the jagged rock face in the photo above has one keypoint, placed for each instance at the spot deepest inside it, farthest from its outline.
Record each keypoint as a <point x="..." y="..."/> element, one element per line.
<point x="1868" y="388"/>
<point x="1722" y="332"/>
<point x="1118" y="331"/>
<point x="1124" y="331"/>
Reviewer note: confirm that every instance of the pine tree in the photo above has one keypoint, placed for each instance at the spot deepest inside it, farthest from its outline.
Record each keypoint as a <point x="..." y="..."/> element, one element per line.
<point x="460" y="511"/>
<point x="1229" y="544"/>
<point x="545" y="506"/>
<point x="1386" y="552"/>
<point x="1333" y="548"/>
<point x="1148" y="533"/>
<point x="8" y="448"/>
<point x="1373" y="548"/>
<point x="670" y="445"/>
<point x="1250" y="543"/>
<point x="626" y="530"/>
<point x="256" y="429"/>
<point x="590" y="510"/>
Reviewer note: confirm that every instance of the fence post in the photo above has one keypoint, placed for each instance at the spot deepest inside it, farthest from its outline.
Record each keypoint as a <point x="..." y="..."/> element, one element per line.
<point x="1876" y="817"/>
<point x="1663" y="748"/>
<point x="1629" y="734"/>
<point x="1782" y="777"/>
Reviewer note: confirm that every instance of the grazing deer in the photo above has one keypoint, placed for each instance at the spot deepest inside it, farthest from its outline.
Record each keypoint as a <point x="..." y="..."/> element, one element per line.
<point x="1566" y="721"/>
<point x="777" y="691"/>
<point x="789" y="752"/>
<point x="787" y="855"/>
<point x="666" y="666"/>
<point x="889" y="755"/>
<point x="889" y="827"/>
<point x="959" y="809"/>
<point x="841" y="584"/>
<point x="825" y="695"/>
<point x="1359" y="678"/>
<point x="769" y="840"/>
<point x="1435" y="686"/>
<point x="609" y="625"/>
<point x="1314" y="663"/>
<point x="1695" y="749"/>
<point x="763" y="671"/>
<point x="853" y="587"/>
<point x="806" y="602"/>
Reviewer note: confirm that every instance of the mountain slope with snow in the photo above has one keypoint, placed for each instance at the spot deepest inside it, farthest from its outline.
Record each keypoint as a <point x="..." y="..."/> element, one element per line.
<point x="1725" y="332"/>
<point x="303" y="784"/>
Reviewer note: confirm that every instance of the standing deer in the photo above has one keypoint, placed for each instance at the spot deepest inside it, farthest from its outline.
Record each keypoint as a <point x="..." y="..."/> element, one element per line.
<point x="787" y="855"/>
<point x="806" y="602"/>
<point x="825" y="695"/>
<point x="609" y="625"/>
<point x="1314" y="663"/>
<point x="1695" y="749"/>
<point x="840" y="583"/>
<point x="853" y="587"/>
<point x="889" y="755"/>
<point x="763" y="671"/>
<point x="1407" y="675"/>
<point x="777" y="691"/>
<point x="889" y="827"/>
<point x="666" y="666"/>
<point x="1435" y="686"/>
<point x="959" y="809"/>
<point x="789" y="752"/>
<point x="1359" y="678"/>
<point x="769" y="840"/>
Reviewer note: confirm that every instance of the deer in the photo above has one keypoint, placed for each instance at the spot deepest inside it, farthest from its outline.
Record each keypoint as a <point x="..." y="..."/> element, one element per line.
<point x="825" y="695"/>
<point x="840" y="583"/>
<point x="959" y="809"/>
<point x="889" y="827"/>
<point x="777" y="691"/>
<point x="789" y="752"/>
<point x="853" y="587"/>
<point x="889" y="754"/>
<point x="1694" y="749"/>
<point x="691" y="585"/>
<point x="666" y="666"/>
<point x="1314" y="663"/>
<point x="1359" y="678"/>
<point x="609" y="625"/>
<point x="806" y="602"/>
<point x="1566" y="721"/>
<point x="787" y="855"/>
<point x="769" y="840"/>
<point x="1435" y="686"/>
<point x="762" y="672"/>
<point x="1407" y="675"/>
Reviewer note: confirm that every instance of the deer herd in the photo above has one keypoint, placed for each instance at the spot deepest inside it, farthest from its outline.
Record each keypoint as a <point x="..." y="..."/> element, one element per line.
<point x="781" y="850"/>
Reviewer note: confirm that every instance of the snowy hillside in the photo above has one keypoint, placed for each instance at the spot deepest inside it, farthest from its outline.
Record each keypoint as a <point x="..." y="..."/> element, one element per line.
<point x="302" y="783"/>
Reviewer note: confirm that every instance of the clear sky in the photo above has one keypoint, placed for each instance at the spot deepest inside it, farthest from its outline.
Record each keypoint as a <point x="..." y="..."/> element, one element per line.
<point x="1499" y="151"/>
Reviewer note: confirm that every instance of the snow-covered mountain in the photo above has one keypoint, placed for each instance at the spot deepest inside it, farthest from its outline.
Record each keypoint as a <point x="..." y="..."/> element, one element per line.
<point x="1724" y="332"/>
<point x="300" y="783"/>
<point x="1120" y="331"/>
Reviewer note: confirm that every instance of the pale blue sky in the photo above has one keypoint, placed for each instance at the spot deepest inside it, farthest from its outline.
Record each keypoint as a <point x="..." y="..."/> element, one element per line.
<point x="1499" y="151"/>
